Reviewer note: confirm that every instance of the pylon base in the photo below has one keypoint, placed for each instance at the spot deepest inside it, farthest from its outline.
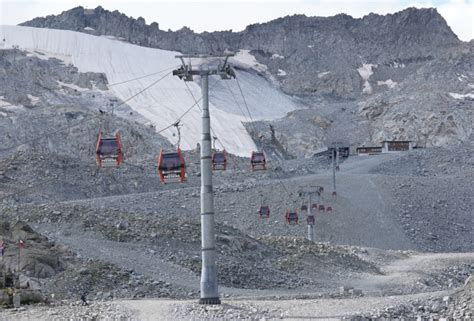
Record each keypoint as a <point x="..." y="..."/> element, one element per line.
<point x="209" y="301"/>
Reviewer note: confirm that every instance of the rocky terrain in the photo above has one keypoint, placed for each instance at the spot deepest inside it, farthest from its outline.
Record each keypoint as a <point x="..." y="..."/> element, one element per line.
<point x="361" y="78"/>
<point x="397" y="244"/>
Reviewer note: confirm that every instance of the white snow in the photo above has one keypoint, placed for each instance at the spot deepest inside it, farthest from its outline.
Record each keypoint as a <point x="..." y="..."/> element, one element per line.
<point x="277" y="56"/>
<point x="471" y="85"/>
<point x="72" y="86"/>
<point x="3" y="102"/>
<point x="281" y="72"/>
<point x="398" y="65"/>
<point x="89" y="29"/>
<point x="389" y="83"/>
<point x="461" y="96"/>
<point x="45" y="55"/>
<point x="34" y="99"/>
<point x="365" y="72"/>
<point x="163" y="103"/>
<point x="322" y="74"/>
<point x="244" y="58"/>
<point x="310" y="46"/>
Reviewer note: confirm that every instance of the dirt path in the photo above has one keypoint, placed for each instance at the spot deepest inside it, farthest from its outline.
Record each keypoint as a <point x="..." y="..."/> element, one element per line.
<point x="327" y="309"/>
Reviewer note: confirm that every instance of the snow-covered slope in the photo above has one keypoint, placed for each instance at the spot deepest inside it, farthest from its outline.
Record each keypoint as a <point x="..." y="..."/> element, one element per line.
<point x="163" y="103"/>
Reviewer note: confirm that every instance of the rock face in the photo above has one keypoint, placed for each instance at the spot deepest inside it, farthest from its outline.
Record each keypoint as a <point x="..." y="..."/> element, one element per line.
<point x="399" y="76"/>
<point x="310" y="55"/>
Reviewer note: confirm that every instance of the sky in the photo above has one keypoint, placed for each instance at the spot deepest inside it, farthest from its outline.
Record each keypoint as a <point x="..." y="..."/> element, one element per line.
<point x="213" y="15"/>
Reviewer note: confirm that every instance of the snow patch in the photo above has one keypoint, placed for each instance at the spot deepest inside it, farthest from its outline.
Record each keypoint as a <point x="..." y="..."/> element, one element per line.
<point x="310" y="46"/>
<point x="389" y="83"/>
<point x="471" y="85"/>
<point x="365" y="72"/>
<point x="45" y="55"/>
<point x="398" y="65"/>
<point x="281" y="73"/>
<point x="322" y="74"/>
<point x="89" y="29"/>
<point x="245" y="59"/>
<point x="461" y="96"/>
<point x="277" y="56"/>
<point x="34" y="100"/>
<point x="3" y="102"/>
<point x="72" y="86"/>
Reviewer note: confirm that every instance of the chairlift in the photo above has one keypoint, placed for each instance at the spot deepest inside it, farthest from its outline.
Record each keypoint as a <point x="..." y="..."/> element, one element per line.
<point x="291" y="217"/>
<point x="329" y="209"/>
<point x="258" y="161"/>
<point x="337" y="168"/>
<point x="219" y="160"/>
<point x="109" y="151"/>
<point x="321" y="208"/>
<point x="171" y="167"/>
<point x="264" y="211"/>
<point x="310" y="220"/>
<point x="334" y="194"/>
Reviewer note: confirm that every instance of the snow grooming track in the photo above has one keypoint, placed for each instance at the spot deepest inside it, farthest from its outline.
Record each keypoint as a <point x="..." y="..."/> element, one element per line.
<point x="163" y="103"/>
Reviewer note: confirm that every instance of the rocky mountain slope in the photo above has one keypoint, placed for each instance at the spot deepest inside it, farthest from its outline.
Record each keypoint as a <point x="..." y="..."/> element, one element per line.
<point x="299" y="45"/>
<point x="399" y="76"/>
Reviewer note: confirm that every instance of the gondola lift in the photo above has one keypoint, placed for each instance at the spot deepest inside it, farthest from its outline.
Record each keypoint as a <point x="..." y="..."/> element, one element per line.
<point x="258" y="160"/>
<point x="219" y="158"/>
<point x="171" y="164"/>
<point x="108" y="149"/>
<point x="291" y="217"/>
<point x="264" y="211"/>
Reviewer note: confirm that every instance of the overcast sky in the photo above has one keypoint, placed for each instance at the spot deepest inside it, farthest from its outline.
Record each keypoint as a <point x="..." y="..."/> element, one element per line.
<point x="215" y="15"/>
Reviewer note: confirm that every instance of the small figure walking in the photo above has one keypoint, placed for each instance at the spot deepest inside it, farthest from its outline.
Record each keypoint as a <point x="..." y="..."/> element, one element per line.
<point x="84" y="300"/>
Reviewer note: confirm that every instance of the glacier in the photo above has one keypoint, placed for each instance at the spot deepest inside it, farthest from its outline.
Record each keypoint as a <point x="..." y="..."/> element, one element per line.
<point x="164" y="102"/>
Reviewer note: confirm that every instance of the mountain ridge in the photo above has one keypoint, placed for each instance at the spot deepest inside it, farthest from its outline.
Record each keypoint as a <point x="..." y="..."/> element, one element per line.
<point x="298" y="45"/>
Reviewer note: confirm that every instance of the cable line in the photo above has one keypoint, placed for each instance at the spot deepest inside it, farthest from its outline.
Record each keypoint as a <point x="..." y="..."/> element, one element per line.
<point x="83" y="120"/>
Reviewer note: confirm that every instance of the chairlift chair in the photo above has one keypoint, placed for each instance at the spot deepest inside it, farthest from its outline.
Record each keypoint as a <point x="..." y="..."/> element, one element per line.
<point x="321" y="208"/>
<point x="291" y="217"/>
<point x="219" y="160"/>
<point x="171" y="167"/>
<point x="329" y="209"/>
<point x="314" y="208"/>
<point x="337" y="168"/>
<point x="334" y="194"/>
<point x="310" y="220"/>
<point x="109" y="151"/>
<point x="258" y="161"/>
<point x="264" y="211"/>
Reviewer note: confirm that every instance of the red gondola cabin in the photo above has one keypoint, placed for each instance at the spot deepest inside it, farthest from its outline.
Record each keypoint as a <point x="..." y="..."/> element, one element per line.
<point x="171" y="167"/>
<point x="219" y="160"/>
<point x="108" y="151"/>
<point x="258" y="161"/>
<point x="291" y="217"/>
<point x="264" y="211"/>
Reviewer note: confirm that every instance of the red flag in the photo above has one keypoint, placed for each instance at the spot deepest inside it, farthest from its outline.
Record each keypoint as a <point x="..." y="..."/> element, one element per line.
<point x="22" y="244"/>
